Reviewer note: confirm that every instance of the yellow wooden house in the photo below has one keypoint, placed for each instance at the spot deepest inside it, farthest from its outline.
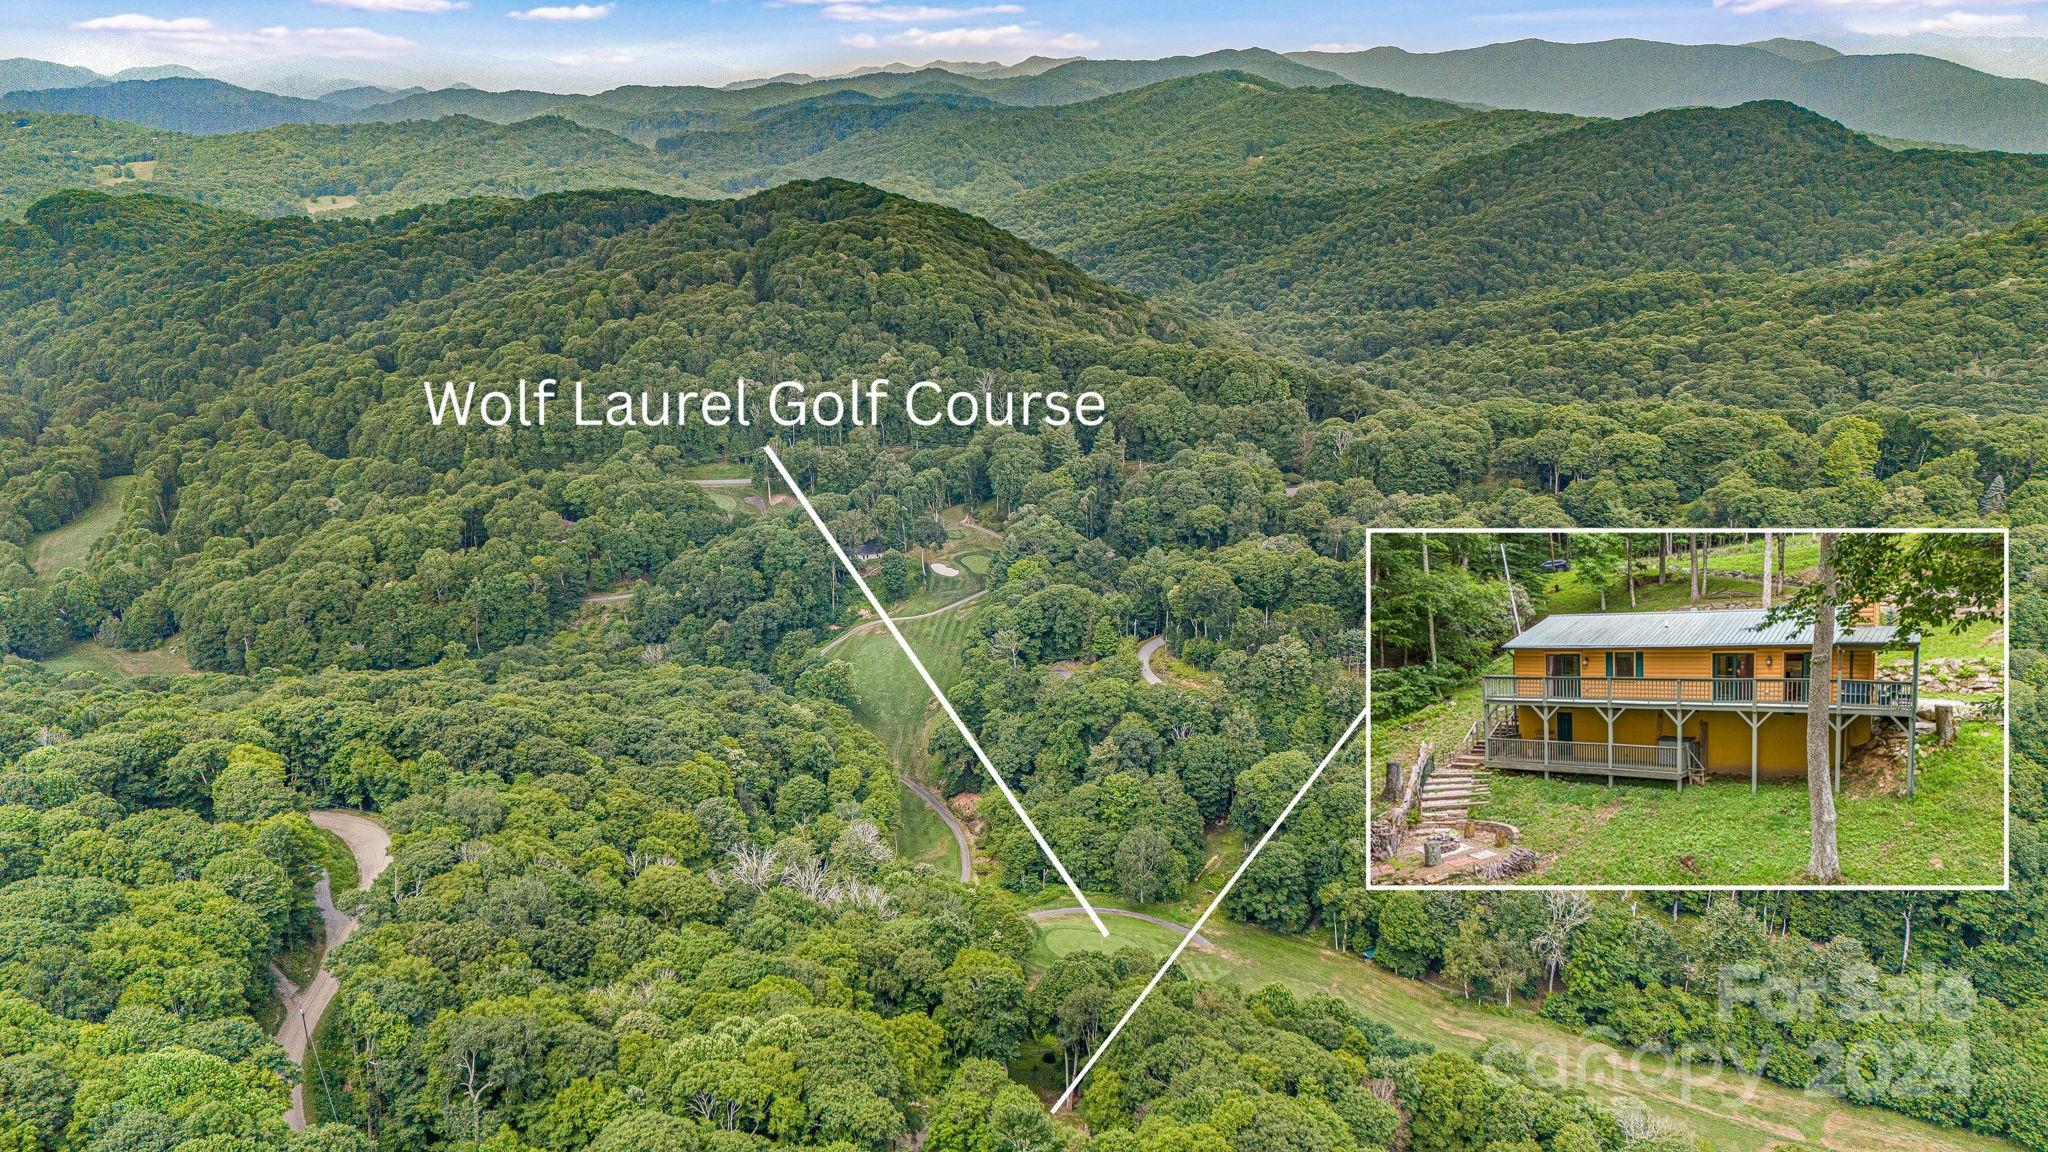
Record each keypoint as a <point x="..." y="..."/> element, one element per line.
<point x="1676" y="695"/>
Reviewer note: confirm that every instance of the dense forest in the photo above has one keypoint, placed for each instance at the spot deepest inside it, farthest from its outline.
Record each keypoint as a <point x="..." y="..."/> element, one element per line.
<point x="644" y="892"/>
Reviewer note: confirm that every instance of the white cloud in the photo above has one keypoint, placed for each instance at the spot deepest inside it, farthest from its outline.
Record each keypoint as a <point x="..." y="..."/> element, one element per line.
<point x="860" y="40"/>
<point x="1952" y="23"/>
<point x="1853" y="6"/>
<point x="198" y="36"/>
<point x="1337" y="47"/>
<point x="1006" y="36"/>
<point x="416" y="6"/>
<point x="910" y="13"/>
<point x="564" y="12"/>
<point x="137" y="22"/>
<point x="597" y="58"/>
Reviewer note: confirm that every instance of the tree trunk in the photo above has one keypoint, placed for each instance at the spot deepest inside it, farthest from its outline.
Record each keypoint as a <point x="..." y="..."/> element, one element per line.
<point x="1428" y="604"/>
<point x="1824" y="864"/>
<point x="1767" y="571"/>
<point x="1628" y="567"/>
<point x="1664" y="558"/>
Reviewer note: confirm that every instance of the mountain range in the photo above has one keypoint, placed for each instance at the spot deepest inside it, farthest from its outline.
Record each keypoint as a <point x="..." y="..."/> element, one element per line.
<point x="1903" y="96"/>
<point x="1899" y="96"/>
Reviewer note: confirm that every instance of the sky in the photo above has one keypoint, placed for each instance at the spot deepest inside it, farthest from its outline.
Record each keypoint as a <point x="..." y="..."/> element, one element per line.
<point x="589" y="45"/>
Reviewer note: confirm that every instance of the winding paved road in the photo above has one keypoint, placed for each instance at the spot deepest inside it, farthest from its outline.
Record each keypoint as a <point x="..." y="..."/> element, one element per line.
<point x="371" y="846"/>
<point x="1044" y="914"/>
<point x="945" y="812"/>
<point x="1145" y="652"/>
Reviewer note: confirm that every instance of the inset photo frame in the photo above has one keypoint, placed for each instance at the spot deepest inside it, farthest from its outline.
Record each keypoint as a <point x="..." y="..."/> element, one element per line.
<point x="1786" y="708"/>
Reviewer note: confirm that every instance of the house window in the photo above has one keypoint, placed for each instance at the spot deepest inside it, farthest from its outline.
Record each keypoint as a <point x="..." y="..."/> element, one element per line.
<point x="1625" y="665"/>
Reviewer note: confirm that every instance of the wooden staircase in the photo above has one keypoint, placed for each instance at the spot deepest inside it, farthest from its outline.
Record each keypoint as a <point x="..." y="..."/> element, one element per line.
<point x="1453" y="789"/>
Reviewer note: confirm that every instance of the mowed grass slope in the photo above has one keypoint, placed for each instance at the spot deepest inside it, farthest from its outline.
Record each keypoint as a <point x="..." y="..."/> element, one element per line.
<point x="1736" y="1112"/>
<point x="1950" y="832"/>
<point x="67" y="545"/>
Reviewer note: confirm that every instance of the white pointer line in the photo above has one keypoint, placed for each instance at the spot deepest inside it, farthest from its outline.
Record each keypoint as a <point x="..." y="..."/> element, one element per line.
<point x="1208" y="912"/>
<point x="890" y="623"/>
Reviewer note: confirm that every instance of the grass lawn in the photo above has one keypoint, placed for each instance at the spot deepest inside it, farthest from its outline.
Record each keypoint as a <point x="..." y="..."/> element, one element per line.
<point x="889" y="698"/>
<point x="1637" y="832"/>
<point x="92" y="656"/>
<point x="66" y="546"/>
<point x="1735" y="572"/>
<point x="1736" y="1112"/>
<point x="1974" y="642"/>
<point x="717" y="470"/>
<point x="922" y="837"/>
<point x="938" y="591"/>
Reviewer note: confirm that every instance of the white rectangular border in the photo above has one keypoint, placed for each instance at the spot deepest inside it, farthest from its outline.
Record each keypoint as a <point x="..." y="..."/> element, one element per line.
<point x="2004" y="535"/>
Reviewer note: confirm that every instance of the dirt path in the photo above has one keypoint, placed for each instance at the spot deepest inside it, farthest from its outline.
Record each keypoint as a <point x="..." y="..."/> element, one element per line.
<point x="870" y="626"/>
<point x="959" y="830"/>
<point x="1145" y="652"/>
<point x="967" y="521"/>
<point x="1045" y="914"/>
<point x="371" y="846"/>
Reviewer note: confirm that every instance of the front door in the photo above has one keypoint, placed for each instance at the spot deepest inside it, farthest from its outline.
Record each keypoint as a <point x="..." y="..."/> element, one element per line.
<point x="1734" y="676"/>
<point x="1795" y="677"/>
<point x="1563" y="673"/>
<point x="1564" y="727"/>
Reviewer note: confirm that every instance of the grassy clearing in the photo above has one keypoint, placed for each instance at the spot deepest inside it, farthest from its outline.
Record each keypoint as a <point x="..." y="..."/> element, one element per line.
<point x="1984" y="640"/>
<point x="1735" y="572"/>
<point x="1950" y="832"/>
<point x="68" y="545"/>
<point x="889" y="698"/>
<point x="938" y="591"/>
<point x="1736" y="1112"/>
<point x="715" y="470"/>
<point x="320" y="205"/>
<point x="132" y="172"/>
<point x="922" y="837"/>
<point x="167" y="659"/>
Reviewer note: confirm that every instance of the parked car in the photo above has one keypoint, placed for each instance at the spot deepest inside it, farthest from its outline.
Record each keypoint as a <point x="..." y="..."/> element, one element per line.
<point x="1556" y="566"/>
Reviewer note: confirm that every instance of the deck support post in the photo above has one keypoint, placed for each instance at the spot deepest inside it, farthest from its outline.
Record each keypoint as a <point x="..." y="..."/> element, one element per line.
<point x="1609" y="715"/>
<point x="1544" y="715"/>
<point x="1913" y="723"/>
<point x="1755" y="719"/>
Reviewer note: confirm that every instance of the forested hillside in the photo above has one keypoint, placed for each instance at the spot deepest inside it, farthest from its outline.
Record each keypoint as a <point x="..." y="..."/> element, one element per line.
<point x="358" y="170"/>
<point x="647" y="889"/>
<point x="973" y="155"/>
<point x="1763" y="187"/>
<point x="178" y="103"/>
<point x="1903" y="96"/>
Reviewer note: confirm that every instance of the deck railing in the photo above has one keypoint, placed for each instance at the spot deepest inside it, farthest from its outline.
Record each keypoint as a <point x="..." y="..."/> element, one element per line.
<point x="1658" y="761"/>
<point x="1885" y="697"/>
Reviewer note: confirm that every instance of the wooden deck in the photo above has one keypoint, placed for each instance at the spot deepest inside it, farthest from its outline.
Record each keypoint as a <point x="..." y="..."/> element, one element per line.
<point x="1586" y="758"/>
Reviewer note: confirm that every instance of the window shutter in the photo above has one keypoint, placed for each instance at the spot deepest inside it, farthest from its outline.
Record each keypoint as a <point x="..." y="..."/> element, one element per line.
<point x="1639" y="665"/>
<point x="1610" y="665"/>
